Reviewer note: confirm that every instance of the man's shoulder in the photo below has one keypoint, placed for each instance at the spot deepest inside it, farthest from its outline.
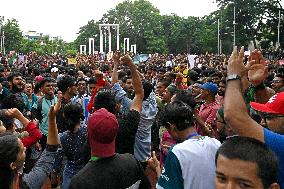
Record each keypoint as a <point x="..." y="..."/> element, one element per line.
<point x="192" y="145"/>
<point x="84" y="174"/>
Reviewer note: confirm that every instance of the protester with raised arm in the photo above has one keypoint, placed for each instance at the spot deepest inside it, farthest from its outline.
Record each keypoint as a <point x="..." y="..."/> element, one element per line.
<point x="235" y="110"/>
<point x="12" y="157"/>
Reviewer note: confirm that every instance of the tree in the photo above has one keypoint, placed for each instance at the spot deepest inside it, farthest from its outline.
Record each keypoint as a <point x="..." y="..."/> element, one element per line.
<point x="13" y="35"/>
<point x="253" y="18"/>
<point x="138" y="20"/>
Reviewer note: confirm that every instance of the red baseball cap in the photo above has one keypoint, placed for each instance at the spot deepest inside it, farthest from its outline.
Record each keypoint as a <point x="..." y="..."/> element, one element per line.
<point x="275" y="105"/>
<point x="102" y="131"/>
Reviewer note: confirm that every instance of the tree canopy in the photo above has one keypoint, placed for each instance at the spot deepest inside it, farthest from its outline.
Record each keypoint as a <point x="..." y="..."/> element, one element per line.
<point x="143" y="24"/>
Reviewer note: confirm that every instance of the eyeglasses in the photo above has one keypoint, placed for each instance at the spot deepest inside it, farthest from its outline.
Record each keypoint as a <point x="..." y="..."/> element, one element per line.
<point x="268" y="117"/>
<point x="271" y="116"/>
<point x="277" y="81"/>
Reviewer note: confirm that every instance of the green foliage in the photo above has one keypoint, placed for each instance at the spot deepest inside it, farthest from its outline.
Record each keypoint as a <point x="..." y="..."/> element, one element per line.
<point x="256" y="20"/>
<point x="13" y="35"/>
<point x="139" y="20"/>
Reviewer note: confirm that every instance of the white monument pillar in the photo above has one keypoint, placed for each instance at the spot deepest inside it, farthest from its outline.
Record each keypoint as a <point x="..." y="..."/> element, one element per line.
<point x="125" y="44"/>
<point x="91" y="46"/>
<point x="109" y="33"/>
<point x="133" y="49"/>
<point x="83" y="49"/>
<point x="117" y="37"/>
<point x="109" y="39"/>
<point x="101" y="41"/>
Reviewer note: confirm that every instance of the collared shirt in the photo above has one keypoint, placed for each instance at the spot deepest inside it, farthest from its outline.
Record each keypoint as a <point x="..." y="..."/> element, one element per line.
<point x="207" y="113"/>
<point x="142" y="147"/>
<point x="83" y="101"/>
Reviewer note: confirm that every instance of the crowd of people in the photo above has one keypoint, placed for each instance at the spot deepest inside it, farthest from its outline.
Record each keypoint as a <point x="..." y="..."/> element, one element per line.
<point x="162" y="123"/>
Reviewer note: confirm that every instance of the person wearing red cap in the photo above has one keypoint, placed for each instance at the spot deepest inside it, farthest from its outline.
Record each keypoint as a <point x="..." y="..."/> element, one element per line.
<point x="107" y="169"/>
<point x="235" y="111"/>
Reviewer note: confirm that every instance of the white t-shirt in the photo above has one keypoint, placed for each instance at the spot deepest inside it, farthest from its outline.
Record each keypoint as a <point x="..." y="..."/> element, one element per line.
<point x="190" y="164"/>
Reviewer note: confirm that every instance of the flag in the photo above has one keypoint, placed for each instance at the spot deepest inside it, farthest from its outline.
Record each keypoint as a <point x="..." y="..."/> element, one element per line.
<point x="12" y="60"/>
<point x="72" y="61"/>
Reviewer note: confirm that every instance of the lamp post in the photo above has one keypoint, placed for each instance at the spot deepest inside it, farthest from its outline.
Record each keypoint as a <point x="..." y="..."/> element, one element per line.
<point x="234" y="23"/>
<point x="218" y="36"/>
<point x="278" y="39"/>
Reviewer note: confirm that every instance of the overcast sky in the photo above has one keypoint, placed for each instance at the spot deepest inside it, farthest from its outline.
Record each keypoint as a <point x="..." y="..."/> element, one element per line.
<point x="65" y="17"/>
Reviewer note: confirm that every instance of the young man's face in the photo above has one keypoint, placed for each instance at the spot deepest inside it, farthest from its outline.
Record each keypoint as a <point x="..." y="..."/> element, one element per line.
<point x="48" y="88"/>
<point x="236" y="174"/>
<point x="129" y="86"/>
<point x="277" y="83"/>
<point x="221" y="89"/>
<point x="81" y="87"/>
<point x="166" y="97"/>
<point x="18" y="84"/>
<point x="92" y="88"/>
<point x="160" y="88"/>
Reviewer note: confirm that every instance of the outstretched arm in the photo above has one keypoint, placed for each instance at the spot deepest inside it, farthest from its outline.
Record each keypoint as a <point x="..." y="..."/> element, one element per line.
<point x="235" y="110"/>
<point x="116" y="57"/>
<point x="136" y="103"/>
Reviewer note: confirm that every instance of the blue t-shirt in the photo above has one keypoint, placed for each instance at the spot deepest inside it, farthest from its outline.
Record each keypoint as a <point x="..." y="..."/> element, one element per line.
<point x="276" y="143"/>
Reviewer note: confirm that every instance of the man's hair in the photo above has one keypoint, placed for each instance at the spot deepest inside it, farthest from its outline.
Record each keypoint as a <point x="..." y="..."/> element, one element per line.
<point x="165" y="82"/>
<point x="148" y="88"/>
<point x="81" y="79"/>
<point x="65" y="83"/>
<point x="254" y="151"/>
<point x="105" y="99"/>
<point x="9" y="149"/>
<point x="12" y="75"/>
<point x="92" y="80"/>
<point x="45" y="80"/>
<point x="185" y="97"/>
<point x="177" y="113"/>
<point x="124" y="79"/>
<point x="121" y="75"/>
<point x="73" y="114"/>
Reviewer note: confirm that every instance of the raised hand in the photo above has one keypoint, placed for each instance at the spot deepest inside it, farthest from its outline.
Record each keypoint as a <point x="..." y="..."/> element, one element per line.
<point x="116" y="56"/>
<point x="235" y="63"/>
<point x="14" y="113"/>
<point x="153" y="162"/>
<point x="257" y="68"/>
<point x="126" y="59"/>
<point x="55" y="109"/>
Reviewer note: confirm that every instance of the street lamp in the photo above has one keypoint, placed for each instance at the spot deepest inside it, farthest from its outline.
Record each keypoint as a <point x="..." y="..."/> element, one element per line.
<point x="278" y="39"/>
<point x="234" y="23"/>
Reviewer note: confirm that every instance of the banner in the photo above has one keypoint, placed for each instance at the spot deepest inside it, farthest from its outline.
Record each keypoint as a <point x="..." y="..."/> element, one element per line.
<point x="191" y="61"/>
<point x="72" y="61"/>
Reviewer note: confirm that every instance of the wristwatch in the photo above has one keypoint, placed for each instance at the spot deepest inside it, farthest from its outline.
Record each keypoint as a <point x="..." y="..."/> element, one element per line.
<point x="233" y="77"/>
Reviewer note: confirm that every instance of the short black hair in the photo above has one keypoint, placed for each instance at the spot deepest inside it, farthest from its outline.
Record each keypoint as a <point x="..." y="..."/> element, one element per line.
<point x="185" y="97"/>
<point x="12" y="75"/>
<point x="148" y="88"/>
<point x="92" y="80"/>
<point x="45" y="80"/>
<point x="252" y="150"/>
<point x="124" y="79"/>
<point x="81" y="79"/>
<point x="65" y="83"/>
<point x="164" y="82"/>
<point x="177" y="113"/>
<point x="105" y="99"/>
<point x="73" y="114"/>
